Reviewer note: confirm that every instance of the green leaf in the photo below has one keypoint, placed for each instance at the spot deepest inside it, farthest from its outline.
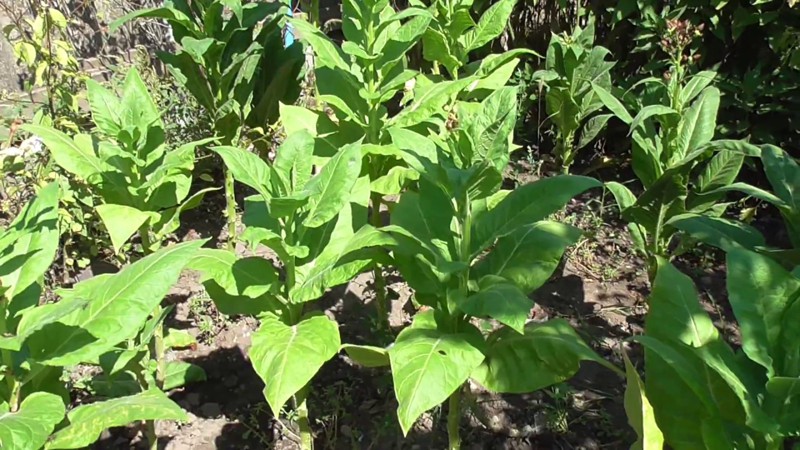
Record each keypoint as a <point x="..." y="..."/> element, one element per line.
<point x="612" y="103"/>
<point x="287" y="357"/>
<point x="105" y="108"/>
<point x="430" y="103"/>
<point x="528" y="256"/>
<point x="428" y="365"/>
<point x="591" y="129"/>
<point x="759" y="291"/>
<point x="783" y="174"/>
<point x="640" y="413"/>
<point x="699" y="121"/>
<point x="696" y="85"/>
<point x="86" y="422"/>
<point x="720" y="171"/>
<point x="121" y="222"/>
<point x="181" y="373"/>
<point x="119" y="307"/>
<point x="326" y="52"/>
<point x="178" y="339"/>
<point x="503" y="302"/>
<point x="330" y="189"/>
<point x="247" y="168"/>
<point x="546" y="354"/>
<point x="675" y="312"/>
<point x="367" y="355"/>
<point x="525" y="205"/>
<point x="294" y="162"/>
<point x="490" y="25"/>
<point x="651" y="111"/>
<point x="77" y="156"/>
<point x="722" y="233"/>
<point x="30" y="242"/>
<point x="28" y="428"/>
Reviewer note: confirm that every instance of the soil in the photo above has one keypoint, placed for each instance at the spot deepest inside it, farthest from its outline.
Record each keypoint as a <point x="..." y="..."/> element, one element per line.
<point x="600" y="288"/>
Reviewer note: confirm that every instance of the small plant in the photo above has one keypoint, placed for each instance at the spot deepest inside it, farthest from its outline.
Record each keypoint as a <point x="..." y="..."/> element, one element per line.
<point x="310" y="223"/>
<point x="578" y="82"/>
<point x="472" y="252"/>
<point x="232" y="60"/>
<point x="85" y="326"/>
<point x="703" y="393"/>
<point x="679" y="165"/>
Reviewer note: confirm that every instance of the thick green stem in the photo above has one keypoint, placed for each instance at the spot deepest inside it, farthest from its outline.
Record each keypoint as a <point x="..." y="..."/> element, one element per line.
<point x="230" y="211"/>
<point x="144" y="235"/>
<point x="381" y="307"/>
<point x="156" y="347"/>
<point x="453" y="420"/>
<point x="303" y="423"/>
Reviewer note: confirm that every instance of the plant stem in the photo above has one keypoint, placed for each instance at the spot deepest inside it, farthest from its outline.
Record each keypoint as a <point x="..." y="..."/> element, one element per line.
<point x="306" y="437"/>
<point x="453" y="420"/>
<point x="381" y="308"/>
<point x="230" y="212"/>
<point x="156" y="346"/>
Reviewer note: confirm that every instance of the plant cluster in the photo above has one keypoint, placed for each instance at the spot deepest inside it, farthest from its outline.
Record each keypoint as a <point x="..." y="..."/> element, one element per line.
<point x="399" y="162"/>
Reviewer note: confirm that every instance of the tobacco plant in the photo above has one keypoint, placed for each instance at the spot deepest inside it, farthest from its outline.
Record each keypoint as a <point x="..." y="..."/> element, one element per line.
<point x="85" y="326"/>
<point x="472" y="253"/>
<point x="578" y="81"/>
<point x="313" y="224"/>
<point x="143" y="184"/>
<point x="704" y="393"/>
<point x="232" y="60"/>
<point x="454" y="34"/>
<point x="680" y="166"/>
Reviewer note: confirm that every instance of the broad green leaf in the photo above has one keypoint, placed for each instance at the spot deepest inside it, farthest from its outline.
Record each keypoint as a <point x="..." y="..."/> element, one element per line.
<point x="786" y="392"/>
<point x="492" y="126"/>
<point x="287" y="357"/>
<point x="137" y="107"/>
<point x="699" y="121"/>
<point x="119" y="306"/>
<point x="640" y="413"/>
<point x="722" y="233"/>
<point x="591" y="129"/>
<point x="77" y="156"/>
<point x="783" y="174"/>
<point x="753" y="192"/>
<point x="612" y="103"/>
<point x="428" y="365"/>
<point x="178" y="339"/>
<point x="720" y="171"/>
<point x="105" y="108"/>
<point x="30" y="242"/>
<point x="294" y="160"/>
<point x="696" y="85"/>
<point x="675" y="312"/>
<point x="326" y="52"/>
<point x="525" y="205"/>
<point x="402" y="40"/>
<point x="503" y="302"/>
<point x="759" y="291"/>
<point x="28" y="428"/>
<point x="180" y="373"/>
<point x="170" y="14"/>
<point x="330" y="189"/>
<point x="528" y="256"/>
<point x="37" y="318"/>
<point x="430" y="103"/>
<point x="490" y="25"/>
<point x="546" y="354"/>
<point x="247" y="168"/>
<point x="651" y="111"/>
<point x="86" y="422"/>
<point x="367" y="355"/>
<point x="121" y="222"/>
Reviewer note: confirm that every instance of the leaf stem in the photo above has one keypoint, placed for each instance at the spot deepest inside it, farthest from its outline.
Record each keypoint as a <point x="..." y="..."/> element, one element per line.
<point x="230" y="205"/>
<point x="453" y="420"/>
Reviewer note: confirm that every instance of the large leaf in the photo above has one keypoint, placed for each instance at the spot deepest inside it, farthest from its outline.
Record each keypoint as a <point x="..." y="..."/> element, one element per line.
<point x="759" y="291"/>
<point x="612" y="103"/>
<point x="675" y="311"/>
<point x="722" y="233"/>
<point x="105" y="108"/>
<point x="121" y="222"/>
<point x="77" y="156"/>
<point x="247" y="168"/>
<point x="490" y="25"/>
<point x="367" y="355"/>
<point x="86" y="422"/>
<point x="430" y="103"/>
<point x="28" y="428"/>
<point x="546" y="354"/>
<point x="287" y="357"/>
<point x="30" y="242"/>
<point x="119" y="307"/>
<point x="501" y="301"/>
<point x="428" y="365"/>
<point x="640" y="413"/>
<point x="330" y="189"/>
<point x="699" y="121"/>
<point x="528" y="256"/>
<point x="525" y="205"/>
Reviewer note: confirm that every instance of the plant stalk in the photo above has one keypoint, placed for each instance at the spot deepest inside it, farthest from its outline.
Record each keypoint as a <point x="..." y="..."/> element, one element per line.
<point x="381" y="307"/>
<point x="156" y="346"/>
<point x="303" y="423"/>
<point x="453" y="420"/>
<point x="230" y="208"/>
